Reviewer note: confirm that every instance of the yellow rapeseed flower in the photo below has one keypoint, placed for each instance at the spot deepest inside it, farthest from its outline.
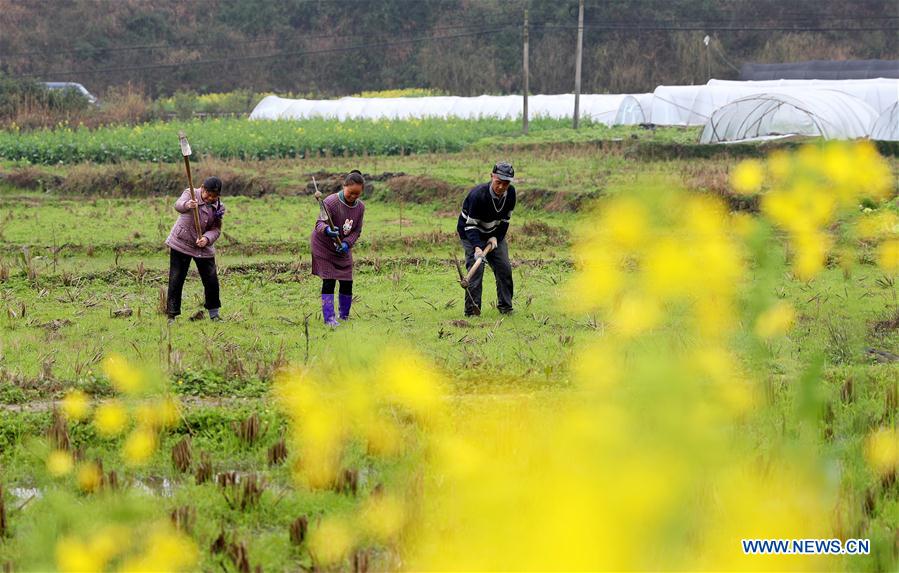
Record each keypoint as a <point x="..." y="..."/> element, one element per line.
<point x="75" y="405"/>
<point x="59" y="463"/>
<point x="626" y="221"/>
<point x="636" y="315"/>
<point x="331" y="541"/>
<point x="146" y="414"/>
<point x="877" y="225"/>
<point x="748" y="176"/>
<point x="810" y="252"/>
<point x="166" y="550"/>
<point x="124" y="377"/>
<point x="410" y="382"/>
<point x="723" y="368"/>
<point x="780" y="165"/>
<point x="599" y="366"/>
<point x="775" y="321"/>
<point x="110" y="418"/>
<point x="882" y="450"/>
<point x="597" y="283"/>
<point x="888" y="255"/>
<point x="169" y="412"/>
<point x="382" y="517"/>
<point x="75" y="556"/>
<point x="89" y="477"/>
<point x="139" y="446"/>
<point x="670" y="269"/>
<point x="383" y="438"/>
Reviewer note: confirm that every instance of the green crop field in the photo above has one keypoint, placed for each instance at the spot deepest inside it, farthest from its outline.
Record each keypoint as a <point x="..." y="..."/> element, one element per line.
<point x="583" y="409"/>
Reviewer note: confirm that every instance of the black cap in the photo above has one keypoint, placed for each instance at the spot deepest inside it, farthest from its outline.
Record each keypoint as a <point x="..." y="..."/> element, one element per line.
<point x="213" y="185"/>
<point x="504" y="170"/>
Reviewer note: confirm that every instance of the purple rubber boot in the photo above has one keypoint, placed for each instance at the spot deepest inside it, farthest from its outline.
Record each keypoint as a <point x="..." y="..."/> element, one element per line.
<point x="328" y="310"/>
<point x="344" y="302"/>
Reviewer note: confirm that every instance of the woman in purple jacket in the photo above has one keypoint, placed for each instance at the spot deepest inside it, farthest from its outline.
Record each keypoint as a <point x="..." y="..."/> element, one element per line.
<point x="332" y="259"/>
<point x="186" y="245"/>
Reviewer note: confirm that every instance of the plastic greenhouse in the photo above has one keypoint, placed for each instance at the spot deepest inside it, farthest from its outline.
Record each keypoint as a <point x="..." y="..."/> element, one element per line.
<point x="673" y="105"/>
<point x="824" y="113"/>
<point x="879" y="93"/>
<point x="886" y="127"/>
<point x="609" y="109"/>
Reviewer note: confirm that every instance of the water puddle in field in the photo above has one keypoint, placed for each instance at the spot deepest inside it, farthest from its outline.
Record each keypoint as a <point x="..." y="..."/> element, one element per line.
<point x="158" y="486"/>
<point x="155" y="486"/>
<point x="23" y="493"/>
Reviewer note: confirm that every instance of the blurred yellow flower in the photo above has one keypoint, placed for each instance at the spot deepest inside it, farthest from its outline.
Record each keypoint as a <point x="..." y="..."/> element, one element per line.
<point x="670" y="269"/>
<point x="635" y="315"/>
<point x="169" y="412"/>
<point x="597" y="282"/>
<point x="75" y="405"/>
<point x="139" y="446"/>
<point x="89" y="477"/>
<point x="382" y="517"/>
<point x="882" y="450"/>
<point x="410" y="382"/>
<point x="110" y="418"/>
<point x="888" y="255"/>
<point x="743" y="224"/>
<point x="747" y="177"/>
<point x="599" y="366"/>
<point x="59" y="463"/>
<point x="75" y="556"/>
<point x="877" y="225"/>
<point x="166" y="549"/>
<point x="146" y="414"/>
<point x="810" y="252"/>
<point x="382" y="437"/>
<point x="780" y="165"/>
<point x="775" y="321"/>
<point x="626" y="221"/>
<point x="331" y="541"/>
<point x="124" y="377"/>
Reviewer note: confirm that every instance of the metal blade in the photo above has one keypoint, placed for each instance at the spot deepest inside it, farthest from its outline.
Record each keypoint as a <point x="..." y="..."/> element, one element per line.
<point x="185" y="146"/>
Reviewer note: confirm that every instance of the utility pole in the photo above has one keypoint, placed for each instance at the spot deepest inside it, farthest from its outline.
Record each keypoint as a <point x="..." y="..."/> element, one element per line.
<point x="577" y="65"/>
<point x="524" y="108"/>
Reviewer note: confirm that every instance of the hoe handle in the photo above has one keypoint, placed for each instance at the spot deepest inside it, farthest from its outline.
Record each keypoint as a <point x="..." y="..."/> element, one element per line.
<point x="186" y="152"/>
<point x="477" y="264"/>
<point x="321" y="206"/>
<point x="193" y="196"/>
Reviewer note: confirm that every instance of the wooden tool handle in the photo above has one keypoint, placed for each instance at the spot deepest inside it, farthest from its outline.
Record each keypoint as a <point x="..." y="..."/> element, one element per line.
<point x="477" y="263"/>
<point x="193" y="196"/>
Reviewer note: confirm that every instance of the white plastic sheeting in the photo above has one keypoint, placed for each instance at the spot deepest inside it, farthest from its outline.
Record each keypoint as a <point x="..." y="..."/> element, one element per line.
<point x="673" y="105"/>
<point x="880" y="93"/>
<point x="633" y="110"/>
<point x="886" y="127"/>
<point x="667" y="105"/>
<point x="825" y="113"/>
<point x="694" y="105"/>
<point x="609" y="109"/>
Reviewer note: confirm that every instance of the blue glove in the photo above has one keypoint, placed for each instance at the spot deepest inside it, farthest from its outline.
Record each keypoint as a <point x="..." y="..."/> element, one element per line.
<point x="344" y="248"/>
<point x="332" y="232"/>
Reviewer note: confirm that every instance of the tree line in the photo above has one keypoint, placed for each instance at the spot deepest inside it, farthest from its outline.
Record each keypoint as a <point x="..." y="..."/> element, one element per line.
<point x="462" y="47"/>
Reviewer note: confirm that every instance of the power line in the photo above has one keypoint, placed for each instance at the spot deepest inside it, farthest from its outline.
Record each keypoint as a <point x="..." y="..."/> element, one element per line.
<point x="779" y="24"/>
<point x="696" y="27"/>
<point x="199" y="44"/>
<point x="269" y="56"/>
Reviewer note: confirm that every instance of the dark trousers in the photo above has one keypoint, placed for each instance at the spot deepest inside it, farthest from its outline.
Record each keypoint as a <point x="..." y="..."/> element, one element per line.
<point x="346" y="287"/>
<point x="498" y="259"/>
<point x="179" y="264"/>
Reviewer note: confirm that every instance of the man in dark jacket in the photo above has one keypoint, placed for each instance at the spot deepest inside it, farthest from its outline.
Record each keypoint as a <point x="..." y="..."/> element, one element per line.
<point x="485" y="218"/>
